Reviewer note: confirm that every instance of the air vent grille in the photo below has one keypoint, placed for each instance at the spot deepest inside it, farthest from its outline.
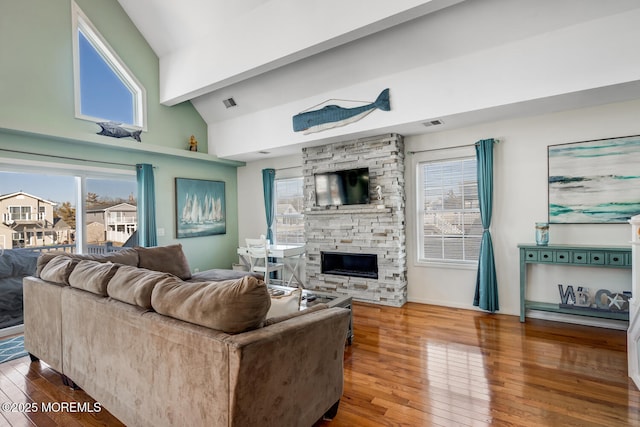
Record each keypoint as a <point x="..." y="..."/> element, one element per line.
<point x="230" y="102"/>
<point x="432" y="123"/>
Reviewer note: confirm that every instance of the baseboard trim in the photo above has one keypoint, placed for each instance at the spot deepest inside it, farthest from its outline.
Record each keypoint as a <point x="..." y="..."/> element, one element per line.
<point x="11" y="330"/>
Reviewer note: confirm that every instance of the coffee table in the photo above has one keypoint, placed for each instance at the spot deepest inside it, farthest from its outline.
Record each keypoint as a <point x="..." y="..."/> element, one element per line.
<point x="311" y="297"/>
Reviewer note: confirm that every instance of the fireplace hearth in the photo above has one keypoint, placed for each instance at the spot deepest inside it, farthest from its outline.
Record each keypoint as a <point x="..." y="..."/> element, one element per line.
<point x="347" y="264"/>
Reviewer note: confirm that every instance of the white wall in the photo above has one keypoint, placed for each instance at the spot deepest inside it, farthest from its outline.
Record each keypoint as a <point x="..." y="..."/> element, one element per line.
<point x="520" y="183"/>
<point x="503" y="72"/>
<point x="520" y="199"/>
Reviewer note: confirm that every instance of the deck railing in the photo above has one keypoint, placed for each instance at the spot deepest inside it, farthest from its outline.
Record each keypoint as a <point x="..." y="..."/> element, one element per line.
<point x="71" y="248"/>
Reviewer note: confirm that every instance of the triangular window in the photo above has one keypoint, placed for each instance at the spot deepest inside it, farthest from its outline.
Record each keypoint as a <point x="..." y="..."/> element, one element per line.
<point x="105" y="89"/>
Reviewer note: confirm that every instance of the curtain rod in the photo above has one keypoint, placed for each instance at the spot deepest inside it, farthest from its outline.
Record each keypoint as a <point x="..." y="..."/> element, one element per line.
<point x="67" y="158"/>
<point x="291" y="167"/>
<point x="495" y="141"/>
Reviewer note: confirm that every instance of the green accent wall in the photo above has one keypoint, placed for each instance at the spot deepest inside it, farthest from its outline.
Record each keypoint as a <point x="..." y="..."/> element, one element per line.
<point x="37" y="114"/>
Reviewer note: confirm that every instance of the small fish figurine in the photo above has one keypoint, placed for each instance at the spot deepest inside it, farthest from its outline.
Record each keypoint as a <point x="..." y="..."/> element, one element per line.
<point x="113" y="129"/>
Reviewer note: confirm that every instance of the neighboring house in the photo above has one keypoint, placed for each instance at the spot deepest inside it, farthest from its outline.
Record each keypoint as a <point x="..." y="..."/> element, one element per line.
<point x="116" y="223"/>
<point x="288" y="213"/>
<point x="65" y="234"/>
<point x="30" y="219"/>
<point x="5" y="237"/>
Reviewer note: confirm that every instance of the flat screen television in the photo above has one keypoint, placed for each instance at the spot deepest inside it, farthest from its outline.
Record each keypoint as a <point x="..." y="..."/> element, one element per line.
<point x="344" y="187"/>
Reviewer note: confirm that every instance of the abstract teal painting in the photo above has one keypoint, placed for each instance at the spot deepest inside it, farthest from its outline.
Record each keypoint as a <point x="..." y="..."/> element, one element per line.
<point x="594" y="182"/>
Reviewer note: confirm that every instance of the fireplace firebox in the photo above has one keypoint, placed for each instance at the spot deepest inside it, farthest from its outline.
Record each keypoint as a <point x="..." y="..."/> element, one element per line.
<point x="347" y="264"/>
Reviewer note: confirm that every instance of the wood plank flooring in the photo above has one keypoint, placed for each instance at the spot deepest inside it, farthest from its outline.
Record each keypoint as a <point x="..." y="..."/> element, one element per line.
<point x="423" y="365"/>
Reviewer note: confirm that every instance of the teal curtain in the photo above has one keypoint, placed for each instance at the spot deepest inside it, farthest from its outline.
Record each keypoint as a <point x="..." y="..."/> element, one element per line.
<point x="268" y="183"/>
<point x="486" y="296"/>
<point x="146" y="206"/>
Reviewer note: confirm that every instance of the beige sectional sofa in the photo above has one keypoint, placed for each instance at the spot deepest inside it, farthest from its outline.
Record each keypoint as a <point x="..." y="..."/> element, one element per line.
<point x="158" y="350"/>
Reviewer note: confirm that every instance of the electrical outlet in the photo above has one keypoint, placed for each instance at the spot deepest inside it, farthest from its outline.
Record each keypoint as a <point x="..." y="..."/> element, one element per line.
<point x="160" y="231"/>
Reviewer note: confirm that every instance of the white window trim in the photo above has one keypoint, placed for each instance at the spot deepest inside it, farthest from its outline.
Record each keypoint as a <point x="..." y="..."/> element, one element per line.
<point x="444" y="154"/>
<point x="80" y="22"/>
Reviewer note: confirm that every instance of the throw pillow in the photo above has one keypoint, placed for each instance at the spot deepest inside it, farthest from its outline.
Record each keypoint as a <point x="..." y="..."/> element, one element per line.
<point x="58" y="269"/>
<point x="231" y="306"/>
<point x="93" y="276"/>
<point x="285" y="304"/>
<point x="134" y="285"/>
<point x="168" y="259"/>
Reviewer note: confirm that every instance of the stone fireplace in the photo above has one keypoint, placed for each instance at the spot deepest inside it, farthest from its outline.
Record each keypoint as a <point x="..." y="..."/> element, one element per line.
<point x="358" y="250"/>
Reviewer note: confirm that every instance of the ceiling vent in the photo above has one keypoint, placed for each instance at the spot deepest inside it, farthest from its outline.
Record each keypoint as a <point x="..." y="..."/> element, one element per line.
<point x="229" y="103"/>
<point x="432" y="123"/>
<point x="264" y="152"/>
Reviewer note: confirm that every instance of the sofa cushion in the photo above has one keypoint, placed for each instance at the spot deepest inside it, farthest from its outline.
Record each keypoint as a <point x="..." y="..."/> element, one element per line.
<point x="283" y="305"/>
<point x="169" y="259"/>
<point x="231" y="306"/>
<point x="93" y="276"/>
<point x="134" y="285"/>
<point x="127" y="256"/>
<point x="58" y="269"/>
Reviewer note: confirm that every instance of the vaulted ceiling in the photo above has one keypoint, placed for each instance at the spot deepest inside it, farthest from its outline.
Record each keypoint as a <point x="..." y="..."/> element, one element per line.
<point x="278" y="57"/>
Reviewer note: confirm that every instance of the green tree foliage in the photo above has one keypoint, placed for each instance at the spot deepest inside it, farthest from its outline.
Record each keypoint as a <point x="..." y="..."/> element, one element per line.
<point x="92" y="199"/>
<point x="67" y="213"/>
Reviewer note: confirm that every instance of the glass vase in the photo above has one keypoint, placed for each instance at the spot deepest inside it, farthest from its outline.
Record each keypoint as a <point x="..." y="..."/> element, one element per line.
<point x="542" y="233"/>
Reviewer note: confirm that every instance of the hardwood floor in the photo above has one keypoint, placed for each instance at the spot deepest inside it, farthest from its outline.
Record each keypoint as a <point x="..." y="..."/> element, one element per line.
<point x="424" y="365"/>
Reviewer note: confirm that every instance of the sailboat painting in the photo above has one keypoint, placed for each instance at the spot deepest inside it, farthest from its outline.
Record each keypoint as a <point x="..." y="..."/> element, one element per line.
<point x="200" y="208"/>
<point x="594" y="182"/>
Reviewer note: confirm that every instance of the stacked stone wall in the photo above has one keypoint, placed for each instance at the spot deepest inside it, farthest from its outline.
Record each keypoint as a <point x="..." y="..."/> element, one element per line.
<point x="375" y="228"/>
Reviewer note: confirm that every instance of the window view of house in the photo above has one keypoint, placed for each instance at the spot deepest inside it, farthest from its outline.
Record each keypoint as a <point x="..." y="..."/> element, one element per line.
<point x="46" y="215"/>
<point x="289" y="224"/>
<point x="31" y="206"/>
<point x="110" y="218"/>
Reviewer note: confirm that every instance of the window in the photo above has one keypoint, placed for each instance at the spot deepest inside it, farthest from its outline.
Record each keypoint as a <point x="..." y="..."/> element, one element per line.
<point x="111" y="211"/>
<point x="18" y="213"/>
<point x="289" y="224"/>
<point x="108" y="203"/>
<point x="105" y="89"/>
<point x="449" y="225"/>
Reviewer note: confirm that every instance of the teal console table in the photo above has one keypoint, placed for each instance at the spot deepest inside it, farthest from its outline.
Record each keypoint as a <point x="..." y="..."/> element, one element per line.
<point x="570" y="255"/>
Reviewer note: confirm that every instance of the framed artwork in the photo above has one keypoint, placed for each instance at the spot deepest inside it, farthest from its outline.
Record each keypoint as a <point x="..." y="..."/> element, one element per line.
<point x="594" y="182"/>
<point x="200" y="208"/>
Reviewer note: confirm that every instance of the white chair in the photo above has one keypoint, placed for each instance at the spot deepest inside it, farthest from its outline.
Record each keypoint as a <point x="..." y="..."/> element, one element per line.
<point x="258" y="251"/>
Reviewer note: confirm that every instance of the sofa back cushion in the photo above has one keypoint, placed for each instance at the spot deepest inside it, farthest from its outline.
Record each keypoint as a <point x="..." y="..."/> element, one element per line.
<point x="134" y="285"/>
<point x="231" y="306"/>
<point x="58" y="269"/>
<point x="93" y="276"/>
<point x="128" y="256"/>
<point x="169" y="259"/>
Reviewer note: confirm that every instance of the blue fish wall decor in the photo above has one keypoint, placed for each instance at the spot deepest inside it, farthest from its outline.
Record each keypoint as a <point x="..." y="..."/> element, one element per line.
<point x="333" y="116"/>
<point x="114" y="130"/>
